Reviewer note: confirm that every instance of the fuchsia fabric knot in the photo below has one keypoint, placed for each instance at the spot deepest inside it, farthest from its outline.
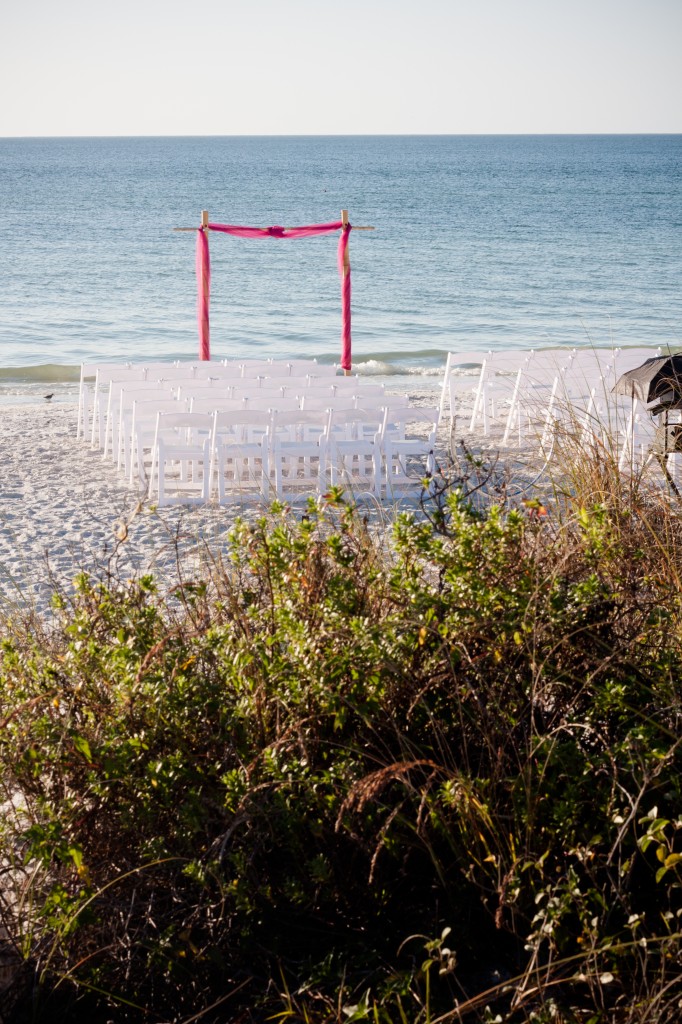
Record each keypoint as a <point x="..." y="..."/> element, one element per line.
<point x="276" y="231"/>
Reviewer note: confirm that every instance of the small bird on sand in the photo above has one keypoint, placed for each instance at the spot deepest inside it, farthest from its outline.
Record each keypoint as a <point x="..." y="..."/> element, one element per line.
<point x="48" y="397"/>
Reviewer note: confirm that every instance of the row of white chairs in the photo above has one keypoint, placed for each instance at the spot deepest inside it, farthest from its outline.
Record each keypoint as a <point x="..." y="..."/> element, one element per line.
<point x="242" y="455"/>
<point x="145" y="418"/>
<point x="111" y="400"/>
<point x="95" y="379"/>
<point x="518" y="398"/>
<point x="132" y="406"/>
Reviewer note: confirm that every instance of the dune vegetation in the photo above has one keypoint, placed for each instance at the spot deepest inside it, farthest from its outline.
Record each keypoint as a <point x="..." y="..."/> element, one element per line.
<point x="426" y="774"/>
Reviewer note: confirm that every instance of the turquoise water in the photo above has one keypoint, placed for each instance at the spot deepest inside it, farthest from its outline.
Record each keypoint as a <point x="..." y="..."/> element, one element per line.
<point x="480" y="242"/>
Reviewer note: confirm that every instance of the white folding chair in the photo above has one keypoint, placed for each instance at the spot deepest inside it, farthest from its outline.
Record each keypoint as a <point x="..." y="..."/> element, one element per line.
<point x="353" y="447"/>
<point x="122" y="394"/>
<point x="297" y="453"/>
<point x="494" y="391"/>
<point x="181" y="458"/>
<point x="137" y="432"/>
<point x="104" y="375"/>
<point x="462" y="370"/>
<point x="239" y="455"/>
<point x="87" y="390"/>
<point x="533" y="407"/>
<point x="408" y="456"/>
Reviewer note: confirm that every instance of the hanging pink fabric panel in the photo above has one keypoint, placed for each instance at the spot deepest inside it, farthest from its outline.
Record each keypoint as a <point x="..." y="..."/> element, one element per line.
<point x="344" y="274"/>
<point x="203" y="265"/>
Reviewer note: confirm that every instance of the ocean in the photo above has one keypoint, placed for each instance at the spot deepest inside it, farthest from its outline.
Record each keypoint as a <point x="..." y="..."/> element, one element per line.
<point x="480" y="242"/>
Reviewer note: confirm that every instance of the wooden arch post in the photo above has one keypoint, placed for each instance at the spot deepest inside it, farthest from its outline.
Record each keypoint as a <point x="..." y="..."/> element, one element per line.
<point x="346" y="264"/>
<point x="346" y="255"/>
<point x="204" y="290"/>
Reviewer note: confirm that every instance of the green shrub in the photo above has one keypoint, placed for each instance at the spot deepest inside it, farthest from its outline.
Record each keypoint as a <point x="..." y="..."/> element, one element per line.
<point x="275" y="790"/>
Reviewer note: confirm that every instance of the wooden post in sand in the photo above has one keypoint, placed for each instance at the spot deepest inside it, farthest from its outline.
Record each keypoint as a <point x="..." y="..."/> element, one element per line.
<point x="346" y="256"/>
<point x="346" y="263"/>
<point x="204" y="327"/>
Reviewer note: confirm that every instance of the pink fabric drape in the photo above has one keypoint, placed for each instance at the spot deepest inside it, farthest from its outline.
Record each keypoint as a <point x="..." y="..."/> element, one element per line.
<point x="204" y="274"/>
<point x="203" y="265"/>
<point x="344" y="273"/>
<point x="277" y="232"/>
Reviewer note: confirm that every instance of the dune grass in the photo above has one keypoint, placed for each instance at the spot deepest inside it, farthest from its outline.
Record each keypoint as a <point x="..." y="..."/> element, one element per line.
<point x="343" y="775"/>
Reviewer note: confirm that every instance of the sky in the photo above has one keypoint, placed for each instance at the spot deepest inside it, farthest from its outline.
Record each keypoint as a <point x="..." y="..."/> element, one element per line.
<point x="280" y="67"/>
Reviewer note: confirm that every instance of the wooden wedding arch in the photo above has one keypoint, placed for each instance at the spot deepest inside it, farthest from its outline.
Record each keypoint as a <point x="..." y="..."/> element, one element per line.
<point x="203" y="270"/>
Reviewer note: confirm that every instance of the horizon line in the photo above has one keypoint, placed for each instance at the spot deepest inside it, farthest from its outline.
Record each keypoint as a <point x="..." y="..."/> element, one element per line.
<point x="347" y="135"/>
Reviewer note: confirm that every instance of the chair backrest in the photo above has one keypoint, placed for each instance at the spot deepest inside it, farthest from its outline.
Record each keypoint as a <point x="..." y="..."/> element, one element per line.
<point x="202" y="383"/>
<point x="354" y="423"/>
<point x="107" y="372"/>
<point x="123" y="397"/>
<point x="384" y="402"/>
<point x="282" y="403"/>
<point x="152" y="392"/>
<point x="363" y="390"/>
<point x="239" y="425"/>
<point x="403" y="418"/>
<point x="316" y="402"/>
<point x="139" y="438"/>
<point x="300" y="367"/>
<point x="253" y="388"/>
<point x="352" y="381"/>
<point x="89" y="370"/>
<point x="218" y="402"/>
<point x="317" y="390"/>
<point x="301" y="425"/>
<point x="157" y="365"/>
<point x="147" y="408"/>
<point x="172" y="371"/>
<point x="184" y="428"/>
<point x="117" y="392"/>
<point x="208" y="368"/>
<point x="265" y="387"/>
<point x="254" y="368"/>
<point x="276" y="370"/>
<point x="205" y="389"/>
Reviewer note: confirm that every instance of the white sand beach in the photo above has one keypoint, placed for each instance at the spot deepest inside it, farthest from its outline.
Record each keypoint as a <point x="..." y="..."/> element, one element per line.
<point x="59" y="504"/>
